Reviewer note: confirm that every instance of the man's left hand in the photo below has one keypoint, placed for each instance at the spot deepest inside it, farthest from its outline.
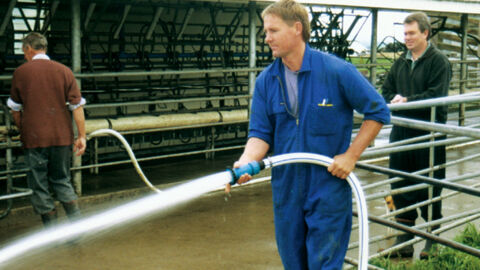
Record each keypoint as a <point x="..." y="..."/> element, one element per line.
<point x="79" y="146"/>
<point x="342" y="166"/>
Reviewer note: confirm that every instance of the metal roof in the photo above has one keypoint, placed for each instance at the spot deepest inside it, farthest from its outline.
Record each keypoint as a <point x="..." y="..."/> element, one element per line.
<point x="441" y="6"/>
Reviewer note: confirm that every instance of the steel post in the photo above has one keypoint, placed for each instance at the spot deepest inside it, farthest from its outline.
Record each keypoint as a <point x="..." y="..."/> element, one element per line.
<point x="77" y="68"/>
<point x="252" y="17"/>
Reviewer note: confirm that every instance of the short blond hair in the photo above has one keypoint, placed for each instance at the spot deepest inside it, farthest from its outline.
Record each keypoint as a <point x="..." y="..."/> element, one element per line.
<point x="290" y="12"/>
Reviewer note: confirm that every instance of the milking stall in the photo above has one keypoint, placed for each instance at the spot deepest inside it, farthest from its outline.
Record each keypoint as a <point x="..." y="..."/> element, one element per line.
<point x="168" y="87"/>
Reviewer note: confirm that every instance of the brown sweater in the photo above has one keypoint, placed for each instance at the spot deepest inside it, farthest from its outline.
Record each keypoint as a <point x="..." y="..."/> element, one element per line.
<point x="43" y="87"/>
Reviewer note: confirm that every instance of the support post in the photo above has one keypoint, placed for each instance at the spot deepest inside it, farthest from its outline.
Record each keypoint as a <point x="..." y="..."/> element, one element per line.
<point x="76" y="68"/>
<point x="463" y="68"/>
<point x="252" y="17"/>
<point x="373" y="47"/>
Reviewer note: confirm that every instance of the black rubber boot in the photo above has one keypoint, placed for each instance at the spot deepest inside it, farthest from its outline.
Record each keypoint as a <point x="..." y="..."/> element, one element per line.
<point x="50" y="218"/>
<point x="72" y="210"/>
<point x="407" y="251"/>
<point x="428" y="251"/>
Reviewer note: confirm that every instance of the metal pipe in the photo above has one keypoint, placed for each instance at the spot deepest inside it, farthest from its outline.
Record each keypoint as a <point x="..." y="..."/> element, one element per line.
<point x="164" y="101"/>
<point x="419" y="186"/>
<point x="9" y="163"/>
<point x="463" y="67"/>
<point x="373" y="47"/>
<point x="472" y="251"/>
<point x="450" y="163"/>
<point x="114" y="163"/>
<point x="419" y="178"/>
<point x="465" y="216"/>
<point x="423" y="203"/>
<point x="22" y="193"/>
<point x="469" y="217"/>
<point x="252" y="18"/>
<point x="441" y="101"/>
<point x="76" y="67"/>
<point x="402" y="148"/>
<point x="444" y="128"/>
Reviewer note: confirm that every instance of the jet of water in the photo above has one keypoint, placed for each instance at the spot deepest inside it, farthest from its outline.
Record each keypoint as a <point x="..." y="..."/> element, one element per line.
<point x="115" y="217"/>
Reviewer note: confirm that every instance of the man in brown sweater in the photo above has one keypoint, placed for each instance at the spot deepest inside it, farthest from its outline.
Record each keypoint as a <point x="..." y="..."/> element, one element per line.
<point x="43" y="97"/>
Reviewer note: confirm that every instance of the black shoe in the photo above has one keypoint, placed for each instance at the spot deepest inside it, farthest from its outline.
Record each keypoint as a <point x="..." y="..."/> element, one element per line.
<point x="72" y="210"/>
<point x="50" y="218"/>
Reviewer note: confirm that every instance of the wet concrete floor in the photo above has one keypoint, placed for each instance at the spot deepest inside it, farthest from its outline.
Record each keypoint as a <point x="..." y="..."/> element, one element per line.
<point x="212" y="232"/>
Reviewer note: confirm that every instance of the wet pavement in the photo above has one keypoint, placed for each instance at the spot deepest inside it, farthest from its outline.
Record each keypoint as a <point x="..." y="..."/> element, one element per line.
<point x="212" y="232"/>
<point x="208" y="233"/>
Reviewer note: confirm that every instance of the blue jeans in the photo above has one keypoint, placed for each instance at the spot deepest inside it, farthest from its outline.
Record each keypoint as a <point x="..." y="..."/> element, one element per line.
<point x="49" y="168"/>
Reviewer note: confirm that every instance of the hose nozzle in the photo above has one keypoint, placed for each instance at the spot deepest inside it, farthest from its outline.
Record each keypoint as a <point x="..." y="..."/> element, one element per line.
<point x="251" y="168"/>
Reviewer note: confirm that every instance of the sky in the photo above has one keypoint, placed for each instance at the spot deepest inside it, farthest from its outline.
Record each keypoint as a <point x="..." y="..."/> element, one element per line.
<point x="389" y="24"/>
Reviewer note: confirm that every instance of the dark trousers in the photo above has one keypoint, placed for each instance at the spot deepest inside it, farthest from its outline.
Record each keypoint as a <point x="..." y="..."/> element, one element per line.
<point x="49" y="170"/>
<point x="411" y="161"/>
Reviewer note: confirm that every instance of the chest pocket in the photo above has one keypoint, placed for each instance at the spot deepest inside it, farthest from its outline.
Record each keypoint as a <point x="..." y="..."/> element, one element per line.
<point x="322" y="120"/>
<point x="284" y="123"/>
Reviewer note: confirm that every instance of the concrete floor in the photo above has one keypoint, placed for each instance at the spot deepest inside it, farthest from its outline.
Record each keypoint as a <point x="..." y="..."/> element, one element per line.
<point x="211" y="232"/>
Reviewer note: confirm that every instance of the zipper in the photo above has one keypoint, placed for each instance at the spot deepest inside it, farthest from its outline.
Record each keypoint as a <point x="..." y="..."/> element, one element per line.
<point x="285" y="101"/>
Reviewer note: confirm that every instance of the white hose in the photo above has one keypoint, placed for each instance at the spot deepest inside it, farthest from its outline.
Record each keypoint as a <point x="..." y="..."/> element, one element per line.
<point x="352" y="181"/>
<point x="101" y="132"/>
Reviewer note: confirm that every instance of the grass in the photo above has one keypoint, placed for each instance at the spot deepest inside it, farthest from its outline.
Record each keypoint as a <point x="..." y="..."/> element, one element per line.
<point x="446" y="258"/>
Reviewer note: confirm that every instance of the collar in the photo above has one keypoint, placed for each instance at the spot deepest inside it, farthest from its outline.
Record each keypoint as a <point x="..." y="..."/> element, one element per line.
<point x="40" y="56"/>
<point x="278" y="66"/>
<point x="409" y="53"/>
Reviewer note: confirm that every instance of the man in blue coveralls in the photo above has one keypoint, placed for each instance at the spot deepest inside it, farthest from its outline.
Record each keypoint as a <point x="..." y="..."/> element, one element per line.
<point x="304" y="102"/>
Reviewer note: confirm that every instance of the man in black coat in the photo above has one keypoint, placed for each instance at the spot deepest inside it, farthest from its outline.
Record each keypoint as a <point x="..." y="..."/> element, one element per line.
<point x="422" y="72"/>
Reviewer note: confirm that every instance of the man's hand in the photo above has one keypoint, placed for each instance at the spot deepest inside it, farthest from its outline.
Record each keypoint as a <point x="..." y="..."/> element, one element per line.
<point x="79" y="146"/>
<point x="342" y="166"/>
<point x="243" y="179"/>
<point x="398" y="99"/>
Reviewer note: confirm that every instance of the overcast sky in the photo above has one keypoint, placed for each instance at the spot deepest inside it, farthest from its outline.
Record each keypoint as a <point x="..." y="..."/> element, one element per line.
<point x="389" y="24"/>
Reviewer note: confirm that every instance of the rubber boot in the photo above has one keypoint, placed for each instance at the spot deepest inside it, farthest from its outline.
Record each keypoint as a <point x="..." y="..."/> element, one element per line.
<point x="72" y="210"/>
<point x="50" y="218"/>
<point x="427" y="251"/>
<point x="404" y="252"/>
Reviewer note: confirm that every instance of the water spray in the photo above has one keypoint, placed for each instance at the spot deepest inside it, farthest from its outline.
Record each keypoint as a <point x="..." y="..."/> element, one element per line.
<point x="163" y="200"/>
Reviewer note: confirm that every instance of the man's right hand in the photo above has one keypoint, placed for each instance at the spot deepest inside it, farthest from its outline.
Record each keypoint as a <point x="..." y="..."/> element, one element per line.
<point x="243" y="179"/>
<point x="398" y="99"/>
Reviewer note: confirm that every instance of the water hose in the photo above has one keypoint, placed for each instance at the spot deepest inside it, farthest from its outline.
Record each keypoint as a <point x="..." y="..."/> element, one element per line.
<point x="119" y="136"/>
<point x="166" y="199"/>
<point x="253" y="168"/>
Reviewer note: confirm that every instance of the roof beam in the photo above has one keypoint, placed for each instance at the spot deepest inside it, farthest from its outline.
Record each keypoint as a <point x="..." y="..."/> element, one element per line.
<point x="7" y="17"/>
<point x="126" y="10"/>
<point x="463" y="7"/>
<point x="447" y="6"/>
<point x="154" y="23"/>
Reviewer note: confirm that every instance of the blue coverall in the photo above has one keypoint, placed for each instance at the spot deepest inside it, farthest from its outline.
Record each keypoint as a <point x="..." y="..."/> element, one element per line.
<point x="312" y="208"/>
